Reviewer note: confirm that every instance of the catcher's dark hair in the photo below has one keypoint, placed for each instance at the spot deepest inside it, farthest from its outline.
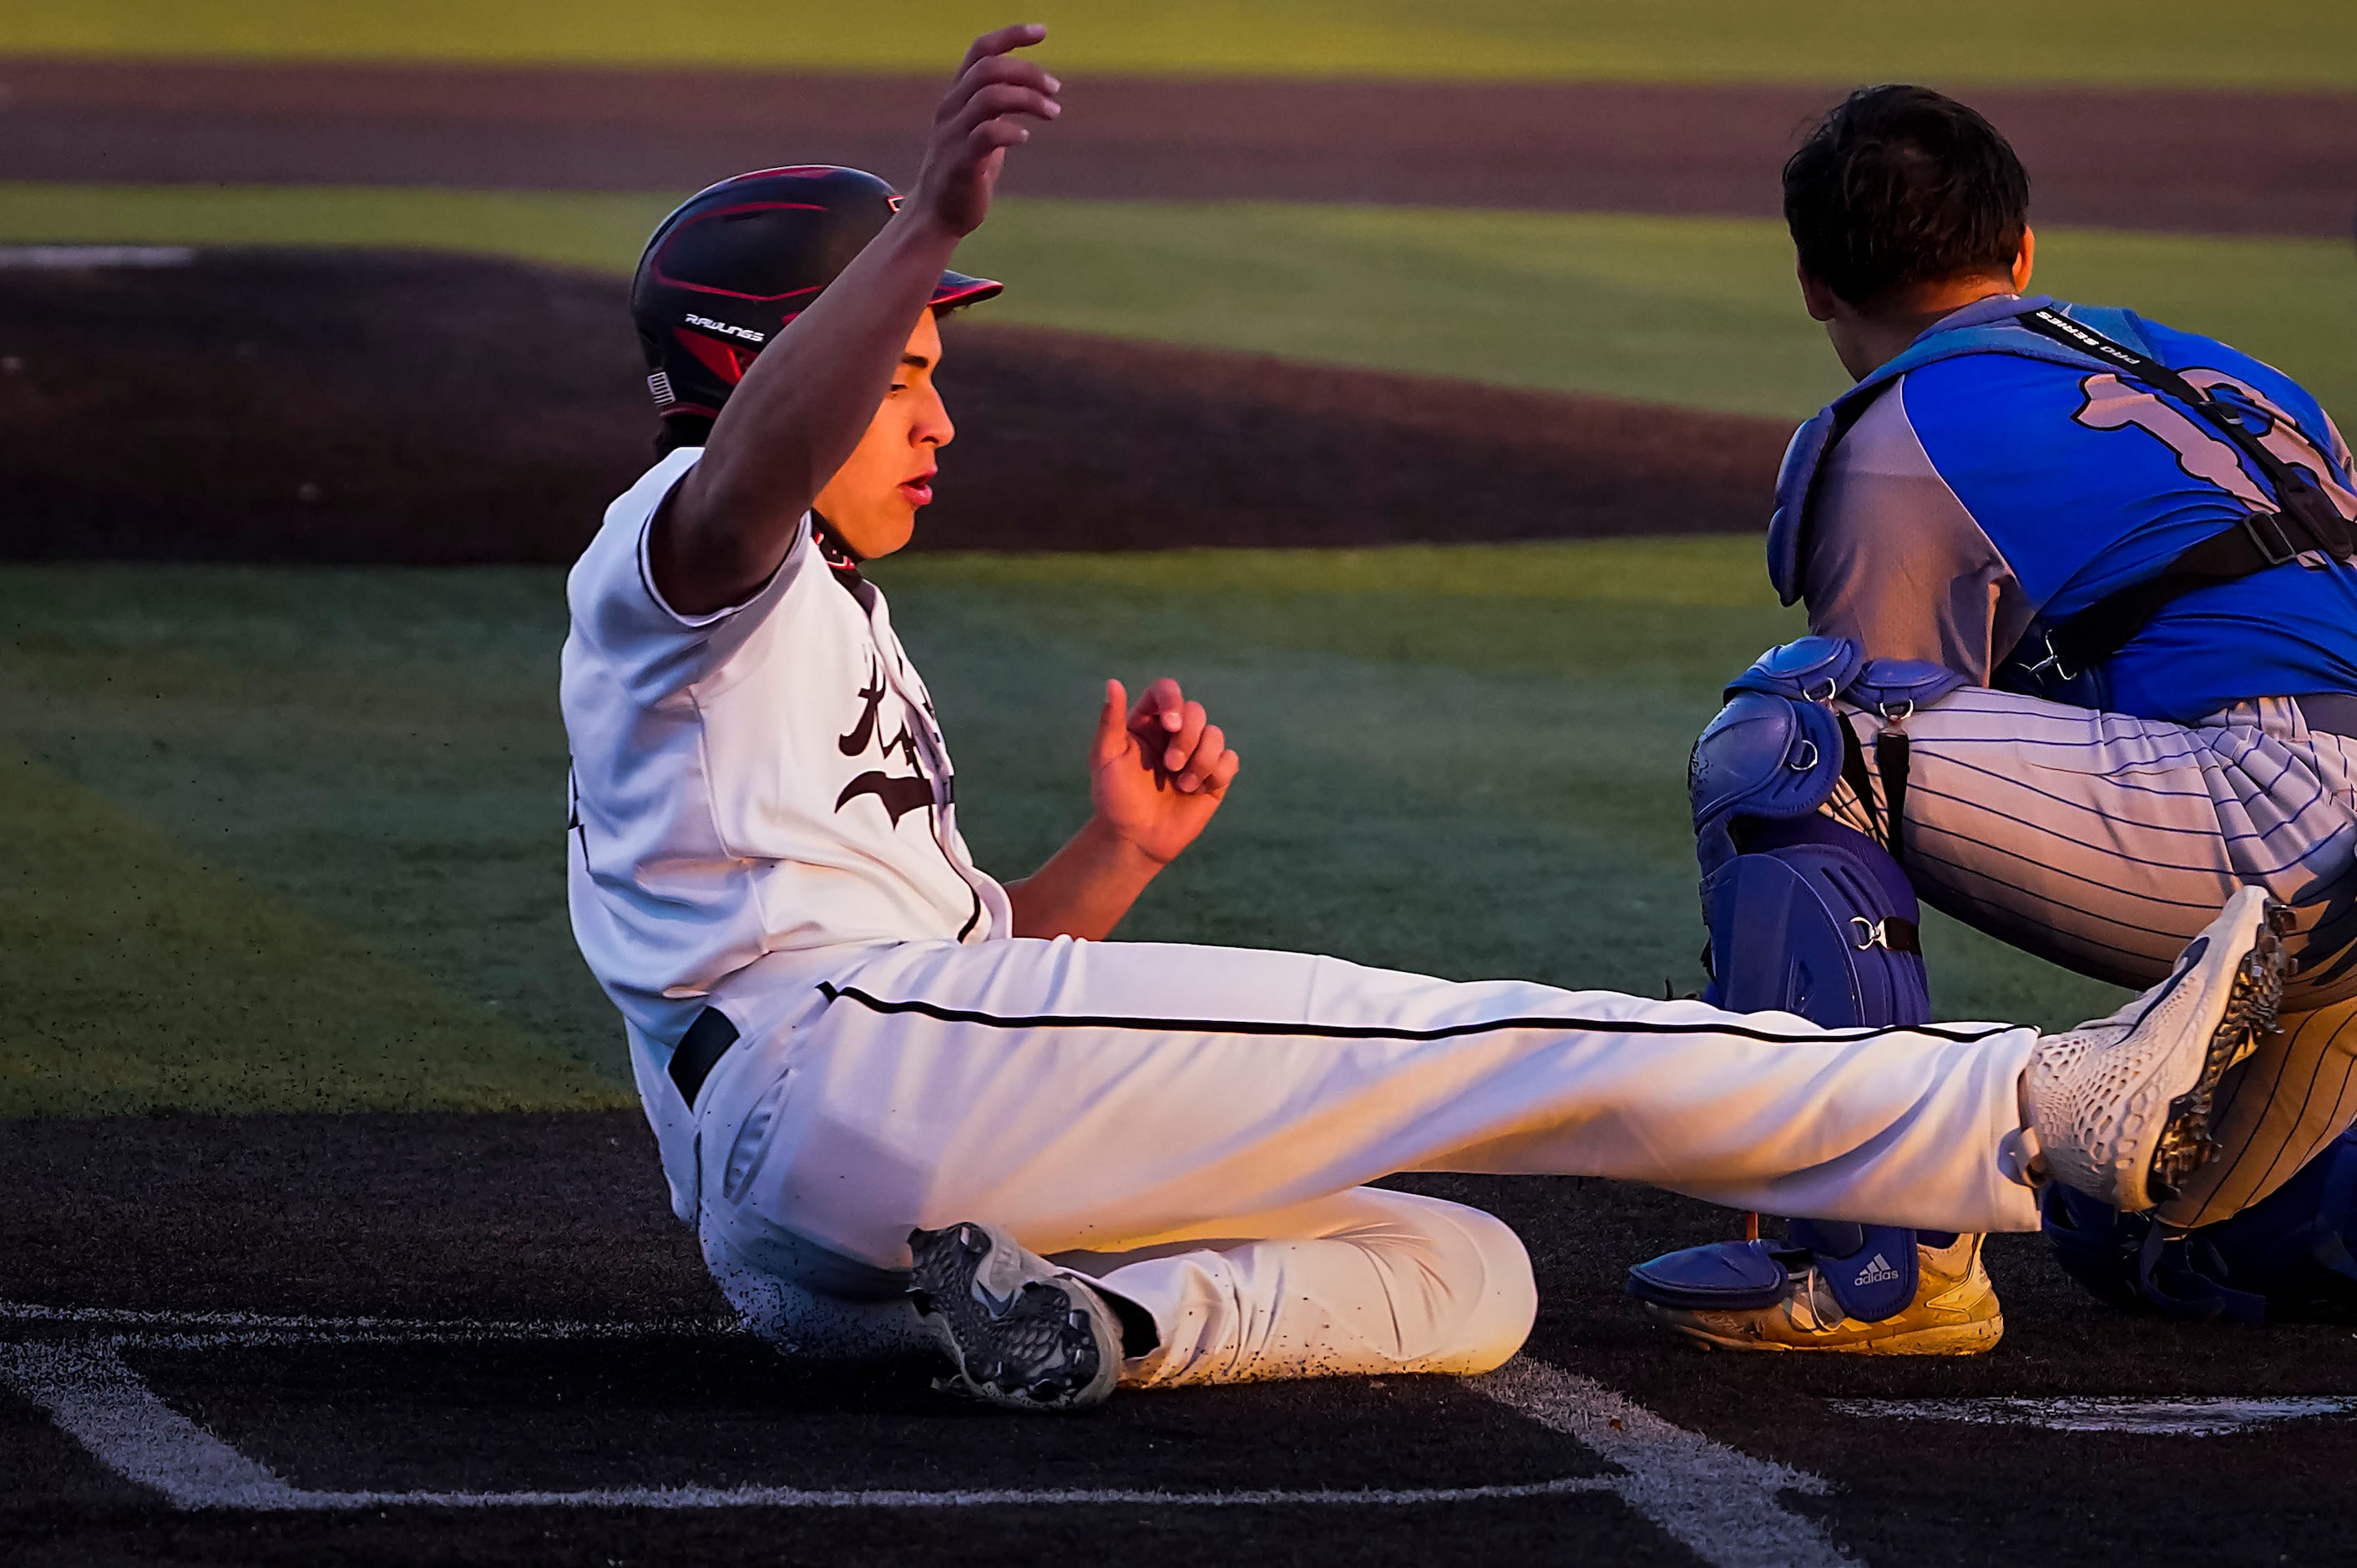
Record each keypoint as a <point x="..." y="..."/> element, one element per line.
<point x="1900" y="186"/>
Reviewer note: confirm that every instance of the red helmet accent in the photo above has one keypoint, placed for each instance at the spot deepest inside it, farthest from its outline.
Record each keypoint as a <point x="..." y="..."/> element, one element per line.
<point x="716" y="356"/>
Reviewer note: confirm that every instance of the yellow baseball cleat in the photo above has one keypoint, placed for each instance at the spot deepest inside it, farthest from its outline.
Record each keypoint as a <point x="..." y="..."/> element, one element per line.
<point x="1955" y="1313"/>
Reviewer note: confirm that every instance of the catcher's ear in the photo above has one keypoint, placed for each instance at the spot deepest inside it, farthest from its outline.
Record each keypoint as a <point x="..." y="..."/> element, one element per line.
<point x="1817" y="295"/>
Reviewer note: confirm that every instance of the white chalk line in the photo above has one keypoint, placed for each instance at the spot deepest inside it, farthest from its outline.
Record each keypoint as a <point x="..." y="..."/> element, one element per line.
<point x="208" y="1328"/>
<point x="46" y="258"/>
<point x="296" y="1339"/>
<point x="2186" y="1416"/>
<point x="794" y="1497"/>
<point x="1725" y="1505"/>
<point x="97" y="1399"/>
<point x="52" y="258"/>
<point x="102" y="1404"/>
<point x="293" y="1500"/>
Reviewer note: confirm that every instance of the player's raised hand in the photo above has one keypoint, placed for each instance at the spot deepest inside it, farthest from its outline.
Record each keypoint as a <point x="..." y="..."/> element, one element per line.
<point x="1158" y="770"/>
<point x="981" y="117"/>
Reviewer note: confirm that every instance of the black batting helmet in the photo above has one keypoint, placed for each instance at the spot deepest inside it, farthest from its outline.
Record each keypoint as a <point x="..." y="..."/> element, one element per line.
<point x="736" y="261"/>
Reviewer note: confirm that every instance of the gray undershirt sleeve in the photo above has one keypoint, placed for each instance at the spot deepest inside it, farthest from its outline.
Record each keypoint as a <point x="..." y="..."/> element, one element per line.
<point x="1894" y="560"/>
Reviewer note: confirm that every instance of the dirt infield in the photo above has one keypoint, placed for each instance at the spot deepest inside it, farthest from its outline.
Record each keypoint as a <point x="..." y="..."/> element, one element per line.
<point x="484" y="1339"/>
<point x="2223" y="161"/>
<point x="364" y="407"/>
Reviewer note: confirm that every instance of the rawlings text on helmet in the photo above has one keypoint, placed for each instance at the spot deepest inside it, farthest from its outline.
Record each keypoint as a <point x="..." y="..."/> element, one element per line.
<point x="722" y="328"/>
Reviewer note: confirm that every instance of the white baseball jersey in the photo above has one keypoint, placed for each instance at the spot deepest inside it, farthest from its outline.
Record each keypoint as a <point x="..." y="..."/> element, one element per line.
<point x="764" y="778"/>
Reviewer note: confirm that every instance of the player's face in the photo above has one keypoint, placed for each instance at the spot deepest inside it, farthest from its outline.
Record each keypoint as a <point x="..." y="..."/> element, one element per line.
<point x="873" y="498"/>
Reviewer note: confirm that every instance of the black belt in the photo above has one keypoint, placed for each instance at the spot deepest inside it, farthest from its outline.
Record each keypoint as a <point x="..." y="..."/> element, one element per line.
<point x="700" y="1050"/>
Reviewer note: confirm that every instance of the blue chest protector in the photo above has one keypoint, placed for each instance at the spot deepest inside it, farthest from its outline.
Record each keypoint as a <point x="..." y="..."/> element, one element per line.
<point x="2123" y="498"/>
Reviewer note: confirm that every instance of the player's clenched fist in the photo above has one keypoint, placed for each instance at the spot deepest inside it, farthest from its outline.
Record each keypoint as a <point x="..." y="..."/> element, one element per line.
<point x="979" y="119"/>
<point x="1159" y="769"/>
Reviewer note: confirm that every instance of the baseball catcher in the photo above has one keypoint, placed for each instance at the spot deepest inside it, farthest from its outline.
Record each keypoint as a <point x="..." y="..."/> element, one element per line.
<point x="2084" y="663"/>
<point x="907" y="1105"/>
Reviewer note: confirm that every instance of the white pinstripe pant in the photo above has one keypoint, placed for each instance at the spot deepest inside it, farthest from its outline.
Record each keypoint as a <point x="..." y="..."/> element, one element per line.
<point x="2105" y="842"/>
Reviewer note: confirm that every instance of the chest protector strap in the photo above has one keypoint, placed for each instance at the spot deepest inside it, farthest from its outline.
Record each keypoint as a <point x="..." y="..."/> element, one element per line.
<point x="2306" y="524"/>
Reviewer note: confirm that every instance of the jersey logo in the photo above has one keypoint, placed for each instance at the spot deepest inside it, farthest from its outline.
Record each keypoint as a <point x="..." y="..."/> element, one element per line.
<point x="2201" y="452"/>
<point x="898" y="794"/>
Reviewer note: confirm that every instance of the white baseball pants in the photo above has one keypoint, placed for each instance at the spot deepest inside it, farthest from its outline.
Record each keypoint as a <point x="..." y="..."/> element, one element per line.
<point x="2105" y="842"/>
<point x="1194" y="1126"/>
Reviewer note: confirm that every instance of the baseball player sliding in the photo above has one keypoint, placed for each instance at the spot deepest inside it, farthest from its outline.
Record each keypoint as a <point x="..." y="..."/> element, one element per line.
<point x="2086" y="648"/>
<point x="905" y="1104"/>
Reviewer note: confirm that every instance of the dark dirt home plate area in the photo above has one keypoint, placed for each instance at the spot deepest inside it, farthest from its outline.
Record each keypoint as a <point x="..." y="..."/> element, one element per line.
<point x="484" y="1339"/>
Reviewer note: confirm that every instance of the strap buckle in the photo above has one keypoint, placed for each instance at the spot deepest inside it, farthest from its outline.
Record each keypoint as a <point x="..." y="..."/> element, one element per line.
<point x="1892" y="934"/>
<point x="2281" y="551"/>
<point x="2053" y="660"/>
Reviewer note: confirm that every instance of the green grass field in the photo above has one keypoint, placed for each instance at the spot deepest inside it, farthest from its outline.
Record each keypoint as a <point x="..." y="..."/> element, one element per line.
<point x="288" y="839"/>
<point x="1681" y="310"/>
<point x="2259" y="43"/>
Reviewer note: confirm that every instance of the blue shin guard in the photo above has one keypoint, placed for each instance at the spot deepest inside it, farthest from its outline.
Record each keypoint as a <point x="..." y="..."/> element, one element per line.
<point x="1809" y="916"/>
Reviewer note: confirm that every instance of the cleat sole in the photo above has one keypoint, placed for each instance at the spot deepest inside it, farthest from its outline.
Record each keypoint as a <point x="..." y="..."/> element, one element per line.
<point x="1945" y="1339"/>
<point x="940" y="1288"/>
<point x="945" y="1265"/>
<point x="2186" y="1144"/>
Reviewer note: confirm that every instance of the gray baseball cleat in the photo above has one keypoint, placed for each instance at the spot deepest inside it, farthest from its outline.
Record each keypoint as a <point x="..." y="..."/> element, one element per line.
<point x="2119" y="1109"/>
<point x="1023" y="1333"/>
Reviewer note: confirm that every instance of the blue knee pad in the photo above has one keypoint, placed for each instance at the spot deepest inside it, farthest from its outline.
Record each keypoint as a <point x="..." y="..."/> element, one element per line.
<point x="1815" y="918"/>
<point x="2287" y="1257"/>
<point x="1809" y="916"/>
